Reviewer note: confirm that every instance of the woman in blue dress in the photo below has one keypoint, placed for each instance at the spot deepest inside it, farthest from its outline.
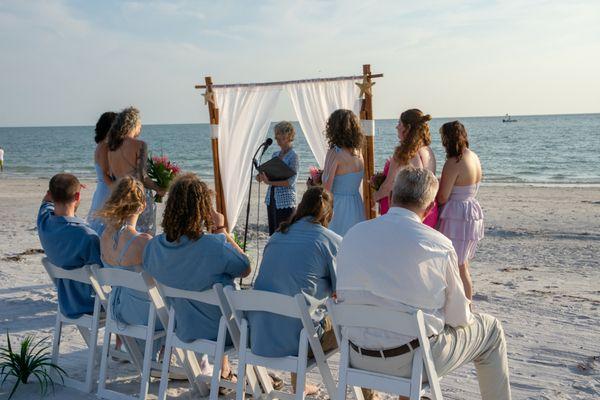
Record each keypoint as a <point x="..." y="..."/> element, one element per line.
<point x="103" y="178"/>
<point x="122" y="246"/>
<point x="194" y="252"/>
<point x="281" y="195"/>
<point x="299" y="258"/>
<point x="344" y="170"/>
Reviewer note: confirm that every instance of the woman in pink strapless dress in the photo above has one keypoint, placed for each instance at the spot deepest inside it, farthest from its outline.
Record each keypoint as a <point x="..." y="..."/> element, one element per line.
<point x="413" y="133"/>
<point x="461" y="218"/>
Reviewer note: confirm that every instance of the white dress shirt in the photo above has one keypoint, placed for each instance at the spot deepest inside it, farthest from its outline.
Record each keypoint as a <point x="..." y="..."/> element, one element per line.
<point x="397" y="262"/>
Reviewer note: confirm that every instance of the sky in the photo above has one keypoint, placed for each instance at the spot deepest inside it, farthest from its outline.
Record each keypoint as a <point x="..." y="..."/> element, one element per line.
<point x="65" y="62"/>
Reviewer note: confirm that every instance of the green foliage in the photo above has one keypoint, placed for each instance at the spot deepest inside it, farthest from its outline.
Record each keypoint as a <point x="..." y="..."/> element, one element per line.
<point x="238" y="240"/>
<point x="32" y="359"/>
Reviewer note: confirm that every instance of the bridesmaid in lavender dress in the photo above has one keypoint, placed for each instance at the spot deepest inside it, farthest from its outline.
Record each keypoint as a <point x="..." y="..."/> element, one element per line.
<point x="461" y="219"/>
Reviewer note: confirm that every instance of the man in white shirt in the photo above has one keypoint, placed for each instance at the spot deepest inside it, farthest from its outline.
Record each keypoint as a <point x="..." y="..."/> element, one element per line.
<point x="397" y="262"/>
<point x="1" y="159"/>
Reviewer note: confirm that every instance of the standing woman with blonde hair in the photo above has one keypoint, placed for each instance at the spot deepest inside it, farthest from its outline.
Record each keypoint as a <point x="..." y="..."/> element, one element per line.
<point x="344" y="170"/>
<point x="414" y="150"/>
<point x="461" y="219"/>
<point x="281" y="195"/>
<point x="128" y="156"/>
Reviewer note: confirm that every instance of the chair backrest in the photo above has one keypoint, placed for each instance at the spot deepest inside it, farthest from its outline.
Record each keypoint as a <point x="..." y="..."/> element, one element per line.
<point x="364" y="316"/>
<point x="78" y="274"/>
<point x="207" y="297"/>
<point x="119" y="278"/>
<point x="258" y="300"/>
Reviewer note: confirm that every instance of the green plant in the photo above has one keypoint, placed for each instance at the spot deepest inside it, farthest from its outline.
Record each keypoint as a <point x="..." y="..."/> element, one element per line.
<point x="238" y="240"/>
<point x="33" y="359"/>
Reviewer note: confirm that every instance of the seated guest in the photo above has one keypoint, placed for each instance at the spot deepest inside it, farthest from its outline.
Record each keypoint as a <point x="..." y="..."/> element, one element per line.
<point x="122" y="247"/>
<point x="397" y="262"/>
<point x="299" y="258"/>
<point x="193" y="253"/>
<point x="68" y="241"/>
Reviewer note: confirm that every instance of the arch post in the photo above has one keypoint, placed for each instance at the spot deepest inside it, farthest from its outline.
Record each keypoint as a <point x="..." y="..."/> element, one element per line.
<point x="368" y="126"/>
<point x="213" y="112"/>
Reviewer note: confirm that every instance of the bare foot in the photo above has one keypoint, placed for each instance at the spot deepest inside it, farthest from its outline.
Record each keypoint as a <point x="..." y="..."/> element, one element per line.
<point x="311" y="390"/>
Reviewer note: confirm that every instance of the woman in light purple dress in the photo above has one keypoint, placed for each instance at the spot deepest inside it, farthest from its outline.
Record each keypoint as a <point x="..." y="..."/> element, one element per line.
<point x="461" y="219"/>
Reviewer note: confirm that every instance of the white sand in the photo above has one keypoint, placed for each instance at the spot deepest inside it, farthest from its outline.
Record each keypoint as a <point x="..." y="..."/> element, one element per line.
<point x="537" y="270"/>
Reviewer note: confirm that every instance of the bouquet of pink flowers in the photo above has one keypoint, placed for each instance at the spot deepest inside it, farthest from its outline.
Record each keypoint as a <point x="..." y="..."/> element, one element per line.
<point x="377" y="180"/>
<point x="315" y="178"/>
<point x="162" y="171"/>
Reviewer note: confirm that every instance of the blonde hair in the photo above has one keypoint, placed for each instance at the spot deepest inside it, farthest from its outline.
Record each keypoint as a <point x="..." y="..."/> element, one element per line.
<point x="125" y="122"/>
<point x="417" y="136"/>
<point x="285" y="128"/>
<point x="127" y="198"/>
<point x="188" y="209"/>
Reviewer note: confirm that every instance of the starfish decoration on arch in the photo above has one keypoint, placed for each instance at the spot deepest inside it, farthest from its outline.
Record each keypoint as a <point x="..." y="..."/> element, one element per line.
<point x="209" y="97"/>
<point x="365" y="86"/>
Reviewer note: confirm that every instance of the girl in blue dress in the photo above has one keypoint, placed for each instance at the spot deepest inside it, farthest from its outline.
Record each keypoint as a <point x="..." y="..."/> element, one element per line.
<point x="103" y="178"/>
<point x="344" y="170"/>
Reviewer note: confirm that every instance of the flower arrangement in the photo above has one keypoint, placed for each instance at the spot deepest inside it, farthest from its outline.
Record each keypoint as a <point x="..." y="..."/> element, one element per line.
<point x="377" y="180"/>
<point x="315" y="178"/>
<point x="162" y="171"/>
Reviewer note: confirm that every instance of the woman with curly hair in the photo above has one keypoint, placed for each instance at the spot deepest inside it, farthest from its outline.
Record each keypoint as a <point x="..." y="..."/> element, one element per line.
<point x="344" y="170"/>
<point x="414" y="136"/>
<point x="194" y="252"/>
<point x="461" y="219"/>
<point x="103" y="178"/>
<point x="128" y="156"/>
<point x="122" y="246"/>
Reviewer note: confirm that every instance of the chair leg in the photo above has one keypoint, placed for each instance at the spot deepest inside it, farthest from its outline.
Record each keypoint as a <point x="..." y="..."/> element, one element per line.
<point x="104" y="361"/>
<point x="147" y="363"/>
<point x="241" y="382"/>
<point x="342" y="379"/>
<point x="301" y="370"/>
<point x="164" y="375"/>
<point x="56" y="340"/>
<point x="92" y="351"/>
<point x="218" y="364"/>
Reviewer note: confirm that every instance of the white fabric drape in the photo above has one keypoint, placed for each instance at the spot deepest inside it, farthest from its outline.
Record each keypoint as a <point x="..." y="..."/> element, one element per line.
<point x="314" y="102"/>
<point x="245" y="115"/>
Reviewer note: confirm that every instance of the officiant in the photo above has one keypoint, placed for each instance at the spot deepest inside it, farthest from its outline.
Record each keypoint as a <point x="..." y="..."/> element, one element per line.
<point x="281" y="195"/>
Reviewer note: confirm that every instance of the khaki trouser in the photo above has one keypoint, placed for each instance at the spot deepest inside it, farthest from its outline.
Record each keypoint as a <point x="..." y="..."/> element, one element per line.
<point x="481" y="342"/>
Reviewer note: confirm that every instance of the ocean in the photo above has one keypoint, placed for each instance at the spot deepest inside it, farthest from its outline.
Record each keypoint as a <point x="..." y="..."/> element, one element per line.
<point x="549" y="149"/>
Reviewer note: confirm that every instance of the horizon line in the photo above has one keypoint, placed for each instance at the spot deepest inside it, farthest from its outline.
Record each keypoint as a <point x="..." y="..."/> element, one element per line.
<point x="376" y="119"/>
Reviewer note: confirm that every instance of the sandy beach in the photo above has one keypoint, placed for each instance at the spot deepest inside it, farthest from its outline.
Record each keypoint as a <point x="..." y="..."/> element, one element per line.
<point x="537" y="270"/>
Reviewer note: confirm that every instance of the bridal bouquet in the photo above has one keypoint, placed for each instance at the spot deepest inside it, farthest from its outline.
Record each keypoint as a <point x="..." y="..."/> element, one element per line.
<point x="315" y="178"/>
<point x="377" y="180"/>
<point x="162" y="171"/>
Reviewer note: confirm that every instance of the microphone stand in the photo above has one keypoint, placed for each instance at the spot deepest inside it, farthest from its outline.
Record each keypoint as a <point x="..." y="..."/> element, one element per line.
<point x="254" y="165"/>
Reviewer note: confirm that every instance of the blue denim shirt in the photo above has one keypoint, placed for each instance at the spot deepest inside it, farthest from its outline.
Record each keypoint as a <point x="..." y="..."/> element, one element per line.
<point x="285" y="196"/>
<point x="69" y="243"/>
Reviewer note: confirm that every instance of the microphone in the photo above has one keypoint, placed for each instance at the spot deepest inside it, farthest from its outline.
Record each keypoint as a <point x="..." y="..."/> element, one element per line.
<point x="266" y="145"/>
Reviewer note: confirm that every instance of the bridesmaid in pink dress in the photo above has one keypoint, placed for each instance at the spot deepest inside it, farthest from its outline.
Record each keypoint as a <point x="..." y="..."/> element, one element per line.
<point x="413" y="133"/>
<point x="461" y="219"/>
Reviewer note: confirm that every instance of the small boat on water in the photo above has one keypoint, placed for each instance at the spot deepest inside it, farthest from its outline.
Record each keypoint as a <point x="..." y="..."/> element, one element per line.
<point x="508" y="118"/>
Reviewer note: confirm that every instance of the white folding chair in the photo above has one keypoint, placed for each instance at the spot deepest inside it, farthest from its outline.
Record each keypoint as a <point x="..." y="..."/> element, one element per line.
<point x="88" y="325"/>
<point x="363" y="316"/>
<point x="215" y="349"/>
<point x="293" y="307"/>
<point x="111" y="278"/>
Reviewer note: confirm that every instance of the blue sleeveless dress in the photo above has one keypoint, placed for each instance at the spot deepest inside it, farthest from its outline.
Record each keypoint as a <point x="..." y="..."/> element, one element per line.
<point x="100" y="196"/>
<point x="348" y="207"/>
<point x="129" y="306"/>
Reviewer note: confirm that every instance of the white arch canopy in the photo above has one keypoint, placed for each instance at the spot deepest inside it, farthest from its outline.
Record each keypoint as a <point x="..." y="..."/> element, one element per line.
<point x="241" y="114"/>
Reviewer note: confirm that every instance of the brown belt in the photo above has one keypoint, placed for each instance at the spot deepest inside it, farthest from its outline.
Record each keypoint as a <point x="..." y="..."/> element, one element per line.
<point x="387" y="353"/>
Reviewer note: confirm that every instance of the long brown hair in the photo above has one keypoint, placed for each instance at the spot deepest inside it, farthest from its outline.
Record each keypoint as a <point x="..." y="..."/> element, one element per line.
<point x="316" y="203"/>
<point x="454" y="139"/>
<point x="189" y="208"/>
<point x="343" y="130"/>
<point x="125" y="122"/>
<point x="416" y="137"/>
<point x="127" y="198"/>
